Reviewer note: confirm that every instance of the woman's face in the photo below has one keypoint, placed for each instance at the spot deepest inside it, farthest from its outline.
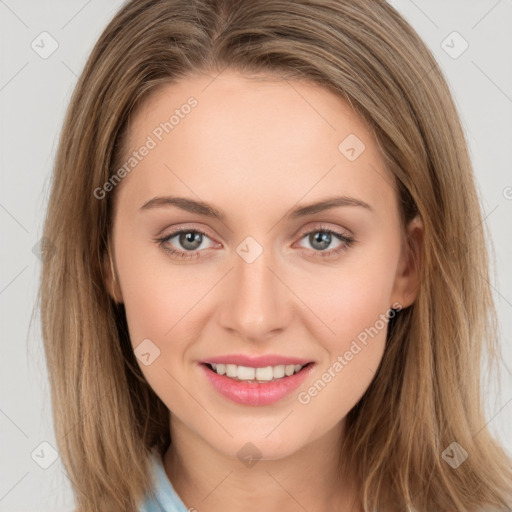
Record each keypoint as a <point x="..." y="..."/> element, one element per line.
<point x="256" y="274"/>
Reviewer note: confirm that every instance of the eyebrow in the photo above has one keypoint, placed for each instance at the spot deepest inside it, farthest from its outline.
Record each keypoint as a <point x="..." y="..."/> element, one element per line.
<point x="202" y="208"/>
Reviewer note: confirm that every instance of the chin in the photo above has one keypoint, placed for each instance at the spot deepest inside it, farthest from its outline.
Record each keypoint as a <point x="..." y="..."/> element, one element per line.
<point x="256" y="445"/>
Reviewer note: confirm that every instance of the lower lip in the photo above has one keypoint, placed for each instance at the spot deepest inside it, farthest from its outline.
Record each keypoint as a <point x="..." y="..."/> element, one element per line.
<point x="252" y="393"/>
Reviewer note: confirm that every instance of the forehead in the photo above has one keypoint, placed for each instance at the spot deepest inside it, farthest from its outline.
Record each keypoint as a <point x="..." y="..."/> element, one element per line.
<point x="253" y="136"/>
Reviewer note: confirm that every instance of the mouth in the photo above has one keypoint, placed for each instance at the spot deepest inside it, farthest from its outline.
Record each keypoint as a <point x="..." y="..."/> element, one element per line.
<point x="259" y="375"/>
<point x="255" y="386"/>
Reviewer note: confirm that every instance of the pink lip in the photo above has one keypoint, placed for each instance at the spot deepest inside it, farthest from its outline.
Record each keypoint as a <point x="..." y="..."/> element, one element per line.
<point x="253" y="393"/>
<point x="256" y="362"/>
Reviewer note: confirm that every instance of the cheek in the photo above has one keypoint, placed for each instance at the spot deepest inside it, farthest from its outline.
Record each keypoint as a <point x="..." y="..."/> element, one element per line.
<point x="354" y="305"/>
<point x="353" y="353"/>
<point x="156" y="293"/>
<point x="349" y="300"/>
<point x="158" y="304"/>
<point x="163" y="303"/>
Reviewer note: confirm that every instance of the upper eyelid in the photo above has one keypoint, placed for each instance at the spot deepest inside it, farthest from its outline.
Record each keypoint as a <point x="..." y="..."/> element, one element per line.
<point x="324" y="227"/>
<point x="318" y="226"/>
<point x="179" y="229"/>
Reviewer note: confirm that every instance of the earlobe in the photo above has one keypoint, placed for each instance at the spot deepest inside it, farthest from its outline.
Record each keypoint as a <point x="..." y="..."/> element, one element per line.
<point x="407" y="279"/>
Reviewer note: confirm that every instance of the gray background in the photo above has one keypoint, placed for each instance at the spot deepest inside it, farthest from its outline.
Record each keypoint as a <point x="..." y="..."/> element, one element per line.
<point x="34" y="92"/>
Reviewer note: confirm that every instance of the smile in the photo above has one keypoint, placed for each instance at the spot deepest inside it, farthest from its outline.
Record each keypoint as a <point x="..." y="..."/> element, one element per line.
<point x="255" y="386"/>
<point x="247" y="373"/>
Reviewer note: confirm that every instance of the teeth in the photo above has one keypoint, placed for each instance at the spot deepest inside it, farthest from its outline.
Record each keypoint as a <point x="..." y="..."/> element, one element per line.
<point x="265" y="374"/>
<point x="278" y="371"/>
<point x="247" y="373"/>
<point x="231" y="370"/>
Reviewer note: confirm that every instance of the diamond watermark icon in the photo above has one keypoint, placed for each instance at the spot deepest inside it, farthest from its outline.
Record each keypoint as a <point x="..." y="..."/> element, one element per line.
<point x="44" y="455"/>
<point x="249" y="249"/>
<point x="351" y="147"/>
<point x="455" y="455"/>
<point x="146" y="352"/>
<point x="454" y="45"/>
<point x="44" y="249"/>
<point x="44" y="45"/>
<point x="249" y="454"/>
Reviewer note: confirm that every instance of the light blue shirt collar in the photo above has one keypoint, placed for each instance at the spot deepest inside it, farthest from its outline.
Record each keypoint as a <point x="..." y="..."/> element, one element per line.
<point x="164" y="498"/>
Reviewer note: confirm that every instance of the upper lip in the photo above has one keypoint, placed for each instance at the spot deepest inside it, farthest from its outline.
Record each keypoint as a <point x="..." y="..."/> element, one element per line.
<point x="256" y="361"/>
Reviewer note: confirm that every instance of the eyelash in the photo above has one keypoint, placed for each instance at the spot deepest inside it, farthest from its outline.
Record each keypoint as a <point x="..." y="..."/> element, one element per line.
<point x="347" y="242"/>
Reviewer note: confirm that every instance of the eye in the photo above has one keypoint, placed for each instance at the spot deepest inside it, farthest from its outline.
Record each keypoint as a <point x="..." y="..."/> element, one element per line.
<point x="190" y="239"/>
<point x="322" y="237"/>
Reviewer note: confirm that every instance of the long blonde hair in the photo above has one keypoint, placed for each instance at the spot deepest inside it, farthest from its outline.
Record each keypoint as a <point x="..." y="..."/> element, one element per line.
<point x="426" y="393"/>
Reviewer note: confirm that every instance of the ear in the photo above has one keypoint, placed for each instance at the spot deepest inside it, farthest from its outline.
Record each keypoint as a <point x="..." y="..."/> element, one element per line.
<point x="110" y="279"/>
<point x="407" y="278"/>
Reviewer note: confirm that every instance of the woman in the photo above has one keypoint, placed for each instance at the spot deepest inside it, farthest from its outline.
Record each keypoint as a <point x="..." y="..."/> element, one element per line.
<point x="206" y="347"/>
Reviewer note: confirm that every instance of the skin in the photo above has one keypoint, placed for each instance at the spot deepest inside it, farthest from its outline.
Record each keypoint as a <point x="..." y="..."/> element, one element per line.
<point x="255" y="148"/>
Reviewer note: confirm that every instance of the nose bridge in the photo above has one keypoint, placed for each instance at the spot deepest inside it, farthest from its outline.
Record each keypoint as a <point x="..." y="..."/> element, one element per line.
<point x="256" y="304"/>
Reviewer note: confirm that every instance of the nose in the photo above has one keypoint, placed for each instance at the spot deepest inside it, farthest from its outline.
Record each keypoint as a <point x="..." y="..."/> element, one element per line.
<point x="256" y="303"/>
